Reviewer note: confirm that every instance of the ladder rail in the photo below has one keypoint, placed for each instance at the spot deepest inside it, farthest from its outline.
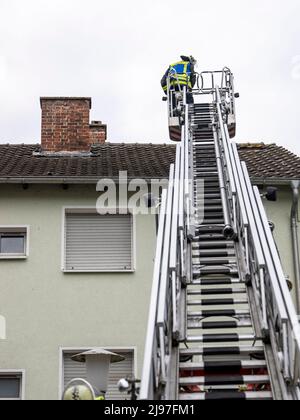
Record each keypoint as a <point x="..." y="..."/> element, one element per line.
<point x="170" y="271"/>
<point x="291" y="351"/>
<point x="174" y="243"/>
<point x="262" y="271"/>
<point x="223" y="187"/>
<point x="150" y="366"/>
<point x="166" y="252"/>
<point x="255" y="260"/>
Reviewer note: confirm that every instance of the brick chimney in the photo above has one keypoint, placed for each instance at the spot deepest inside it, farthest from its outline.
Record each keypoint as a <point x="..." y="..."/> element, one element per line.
<point x="66" y="125"/>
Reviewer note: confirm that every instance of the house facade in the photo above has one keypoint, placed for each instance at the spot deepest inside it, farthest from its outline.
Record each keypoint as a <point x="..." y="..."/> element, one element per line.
<point x="72" y="279"/>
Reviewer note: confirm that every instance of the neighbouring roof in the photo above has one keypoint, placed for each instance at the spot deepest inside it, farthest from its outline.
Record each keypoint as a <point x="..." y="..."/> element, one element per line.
<point x="269" y="161"/>
<point x="140" y="160"/>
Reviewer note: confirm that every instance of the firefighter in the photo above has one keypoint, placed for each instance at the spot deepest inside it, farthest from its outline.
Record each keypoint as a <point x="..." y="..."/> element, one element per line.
<point x="182" y="73"/>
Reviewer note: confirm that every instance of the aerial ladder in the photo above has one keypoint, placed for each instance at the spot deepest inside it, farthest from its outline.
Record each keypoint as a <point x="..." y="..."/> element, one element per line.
<point x="222" y="323"/>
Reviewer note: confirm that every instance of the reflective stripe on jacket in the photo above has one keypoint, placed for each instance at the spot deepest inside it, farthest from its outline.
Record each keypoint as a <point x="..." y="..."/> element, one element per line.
<point x="182" y="73"/>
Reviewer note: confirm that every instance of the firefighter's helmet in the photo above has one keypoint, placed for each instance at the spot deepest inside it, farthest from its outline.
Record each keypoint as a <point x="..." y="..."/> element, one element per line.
<point x="78" y="390"/>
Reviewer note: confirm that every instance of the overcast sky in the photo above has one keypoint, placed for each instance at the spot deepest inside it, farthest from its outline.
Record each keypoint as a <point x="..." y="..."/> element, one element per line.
<point x="116" y="52"/>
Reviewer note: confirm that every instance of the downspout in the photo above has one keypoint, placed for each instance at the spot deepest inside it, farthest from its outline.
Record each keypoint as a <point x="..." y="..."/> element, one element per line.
<point x="295" y="240"/>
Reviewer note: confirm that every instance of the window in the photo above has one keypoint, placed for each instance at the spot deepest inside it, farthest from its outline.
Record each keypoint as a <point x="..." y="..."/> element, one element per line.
<point x="96" y="243"/>
<point x="117" y="371"/>
<point x="13" y="242"/>
<point x="11" y="386"/>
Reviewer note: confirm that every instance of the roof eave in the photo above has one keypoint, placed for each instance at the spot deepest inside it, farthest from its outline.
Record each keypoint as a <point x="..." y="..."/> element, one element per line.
<point x="272" y="181"/>
<point x="72" y="180"/>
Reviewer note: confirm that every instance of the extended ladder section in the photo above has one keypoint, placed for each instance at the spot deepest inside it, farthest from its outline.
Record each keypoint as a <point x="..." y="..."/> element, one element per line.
<point x="222" y="324"/>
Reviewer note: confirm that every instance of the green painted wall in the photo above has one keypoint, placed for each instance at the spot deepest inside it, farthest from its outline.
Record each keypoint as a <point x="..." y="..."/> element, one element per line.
<point x="279" y="213"/>
<point x="46" y="309"/>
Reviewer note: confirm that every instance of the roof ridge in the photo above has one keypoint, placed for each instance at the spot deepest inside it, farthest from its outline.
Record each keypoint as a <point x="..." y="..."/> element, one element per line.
<point x="256" y="145"/>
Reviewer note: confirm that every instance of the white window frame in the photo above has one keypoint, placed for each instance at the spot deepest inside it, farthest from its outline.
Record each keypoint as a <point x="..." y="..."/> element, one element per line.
<point x="22" y="229"/>
<point x="15" y="372"/>
<point x="92" y="210"/>
<point x="64" y="350"/>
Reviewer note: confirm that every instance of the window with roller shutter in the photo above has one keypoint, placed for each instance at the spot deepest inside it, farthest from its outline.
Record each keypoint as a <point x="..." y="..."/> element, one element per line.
<point x="117" y="371"/>
<point x="98" y="243"/>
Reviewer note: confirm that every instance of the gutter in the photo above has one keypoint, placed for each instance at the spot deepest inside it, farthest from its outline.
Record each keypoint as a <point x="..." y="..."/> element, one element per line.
<point x="272" y="181"/>
<point x="75" y="180"/>
<point x="93" y="180"/>
<point x="295" y="240"/>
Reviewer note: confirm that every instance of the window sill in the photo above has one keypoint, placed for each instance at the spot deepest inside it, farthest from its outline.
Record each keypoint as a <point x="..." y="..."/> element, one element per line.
<point x="10" y="399"/>
<point x="13" y="257"/>
<point x="98" y="271"/>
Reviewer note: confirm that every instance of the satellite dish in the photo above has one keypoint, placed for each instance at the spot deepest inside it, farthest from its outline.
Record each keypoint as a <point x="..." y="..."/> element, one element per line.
<point x="78" y="390"/>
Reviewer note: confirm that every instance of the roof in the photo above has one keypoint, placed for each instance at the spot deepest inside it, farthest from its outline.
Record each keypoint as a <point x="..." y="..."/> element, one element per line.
<point x="269" y="161"/>
<point x="105" y="160"/>
<point x="26" y="163"/>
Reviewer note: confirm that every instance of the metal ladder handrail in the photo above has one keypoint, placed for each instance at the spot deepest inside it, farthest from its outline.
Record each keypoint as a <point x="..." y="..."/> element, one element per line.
<point x="267" y="276"/>
<point x="169" y="273"/>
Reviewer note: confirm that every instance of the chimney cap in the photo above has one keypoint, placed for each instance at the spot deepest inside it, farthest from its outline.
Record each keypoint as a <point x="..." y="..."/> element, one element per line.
<point x="66" y="98"/>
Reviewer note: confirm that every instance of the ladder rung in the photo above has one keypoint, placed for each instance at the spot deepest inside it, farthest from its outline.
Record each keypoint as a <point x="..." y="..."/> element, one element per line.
<point x="211" y="229"/>
<point x="212" y="191"/>
<point x="208" y="208"/>
<point x="207" y="201"/>
<point x="218" y="313"/>
<point x="213" y="221"/>
<point x="206" y="142"/>
<point x="227" y="395"/>
<point x="210" y="197"/>
<point x="214" y="244"/>
<point x="214" y="260"/>
<point x="216" y="365"/>
<point x="219" y="302"/>
<point x="208" y="215"/>
<point x="223" y="351"/>
<point x="225" y="380"/>
<point x="215" y="281"/>
<point x="209" y="236"/>
<point x="207" y="174"/>
<point x="213" y="253"/>
<point x="204" y="155"/>
<point x="207" y="169"/>
<point x="220" y="338"/>
<point x="218" y="270"/>
<point x="221" y="325"/>
<point x="208" y="292"/>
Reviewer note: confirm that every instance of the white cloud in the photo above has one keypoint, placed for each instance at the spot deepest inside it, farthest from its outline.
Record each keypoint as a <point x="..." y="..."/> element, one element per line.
<point x="117" y="51"/>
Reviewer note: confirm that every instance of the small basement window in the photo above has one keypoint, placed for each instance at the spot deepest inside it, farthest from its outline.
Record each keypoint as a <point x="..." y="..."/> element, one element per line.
<point x="13" y="242"/>
<point x="11" y="386"/>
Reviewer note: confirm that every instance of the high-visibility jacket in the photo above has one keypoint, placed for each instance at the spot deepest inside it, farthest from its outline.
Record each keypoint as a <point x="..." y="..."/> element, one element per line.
<point x="180" y="74"/>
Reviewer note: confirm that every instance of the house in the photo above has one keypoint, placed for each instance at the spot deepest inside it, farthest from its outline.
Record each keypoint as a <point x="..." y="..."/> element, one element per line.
<point x="73" y="279"/>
